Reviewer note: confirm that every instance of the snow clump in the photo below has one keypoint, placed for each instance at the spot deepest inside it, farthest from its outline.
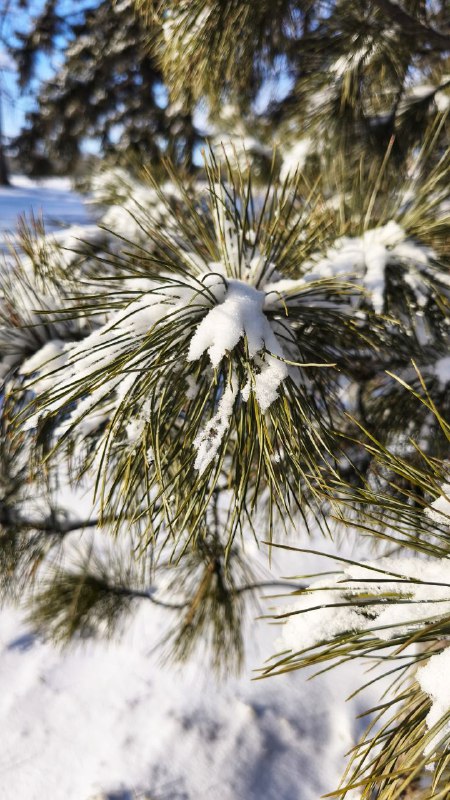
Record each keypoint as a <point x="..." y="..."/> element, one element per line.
<point x="366" y="258"/>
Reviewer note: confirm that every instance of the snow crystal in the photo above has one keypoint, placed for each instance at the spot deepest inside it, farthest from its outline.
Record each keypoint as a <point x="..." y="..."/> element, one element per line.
<point x="308" y="627"/>
<point x="239" y="315"/>
<point x="376" y="255"/>
<point x="434" y="681"/>
<point x="268" y="381"/>
<point x="136" y="426"/>
<point x="49" y="351"/>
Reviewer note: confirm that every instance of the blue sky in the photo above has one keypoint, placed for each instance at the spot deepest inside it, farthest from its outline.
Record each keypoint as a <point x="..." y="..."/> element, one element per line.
<point x="14" y="107"/>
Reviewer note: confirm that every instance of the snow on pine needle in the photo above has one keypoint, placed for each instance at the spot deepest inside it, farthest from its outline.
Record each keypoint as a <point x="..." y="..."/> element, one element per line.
<point x="370" y="257"/>
<point x="364" y="599"/>
<point x="227" y="326"/>
<point x="394" y="611"/>
<point x="127" y="203"/>
<point x="37" y="279"/>
<point x="434" y="681"/>
<point x="439" y="509"/>
<point x="230" y="326"/>
<point x="212" y="367"/>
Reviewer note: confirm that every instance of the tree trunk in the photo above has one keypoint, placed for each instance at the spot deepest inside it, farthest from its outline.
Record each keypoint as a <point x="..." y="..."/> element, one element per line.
<point x="4" y="173"/>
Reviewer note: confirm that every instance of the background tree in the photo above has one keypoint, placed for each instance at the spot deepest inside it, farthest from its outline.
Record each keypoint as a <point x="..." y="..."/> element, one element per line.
<point x="107" y="90"/>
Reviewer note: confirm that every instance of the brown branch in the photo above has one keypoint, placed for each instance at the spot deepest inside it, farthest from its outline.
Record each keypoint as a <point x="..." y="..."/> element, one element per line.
<point x="140" y="594"/>
<point x="50" y="525"/>
<point x="63" y="528"/>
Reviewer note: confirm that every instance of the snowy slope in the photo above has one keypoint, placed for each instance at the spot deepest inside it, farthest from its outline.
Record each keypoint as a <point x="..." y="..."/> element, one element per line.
<point x="113" y="719"/>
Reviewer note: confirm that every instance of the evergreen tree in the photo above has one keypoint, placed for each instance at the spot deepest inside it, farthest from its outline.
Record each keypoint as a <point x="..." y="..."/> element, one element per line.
<point x="108" y="88"/>
<point x="253" y="351"/>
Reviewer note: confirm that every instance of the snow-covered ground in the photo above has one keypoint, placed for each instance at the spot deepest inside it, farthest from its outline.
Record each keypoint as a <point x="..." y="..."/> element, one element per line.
<point x="52" y="197"/>
<point x="111" y="720"/>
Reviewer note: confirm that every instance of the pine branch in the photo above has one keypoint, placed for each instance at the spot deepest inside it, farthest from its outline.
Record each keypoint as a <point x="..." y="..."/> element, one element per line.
<point x="52" y="525"/>
<point x="140" y="594"/>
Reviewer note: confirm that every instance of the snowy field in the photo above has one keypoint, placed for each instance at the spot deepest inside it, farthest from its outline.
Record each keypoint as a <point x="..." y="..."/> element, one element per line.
<point x="111" y="720"/>
<point x="53" y="198"/>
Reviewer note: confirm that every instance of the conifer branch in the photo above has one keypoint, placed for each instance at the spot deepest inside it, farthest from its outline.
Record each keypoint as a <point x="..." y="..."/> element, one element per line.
<point x="52" y="525"/>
